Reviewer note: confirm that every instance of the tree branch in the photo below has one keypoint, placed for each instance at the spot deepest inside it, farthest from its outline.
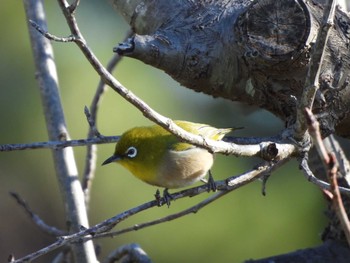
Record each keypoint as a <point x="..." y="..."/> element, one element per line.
<point x="56" y="145"/>
<point x="337" y="201"/>
<point x="66" y="170"/>
<point x="90" y="159"/>
<point x="313" y="179"/>
<point x="53" y="231"/>
<point x="279" y="151"/>
<point x="330" y="165"/>
<point x="311" y="85"/>
<point x="223" y="186"/>
<point x="148" y="112"/>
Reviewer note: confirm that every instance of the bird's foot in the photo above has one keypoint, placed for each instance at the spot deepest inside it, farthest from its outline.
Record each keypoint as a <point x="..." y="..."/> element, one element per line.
<point x="211" y="183"/>
<point x="165" y="199"/>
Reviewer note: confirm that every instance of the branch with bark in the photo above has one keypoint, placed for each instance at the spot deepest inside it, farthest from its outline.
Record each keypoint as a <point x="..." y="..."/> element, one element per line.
<point x="102" y="229"/>
<point x="255" y="52"/>
<point x="239" y="50"/>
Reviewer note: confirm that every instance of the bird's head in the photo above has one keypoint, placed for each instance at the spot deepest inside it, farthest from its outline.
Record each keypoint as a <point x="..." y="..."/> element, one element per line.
<point x="140" y="150"/>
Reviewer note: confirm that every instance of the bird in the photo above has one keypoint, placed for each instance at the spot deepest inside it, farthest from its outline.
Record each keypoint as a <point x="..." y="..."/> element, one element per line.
<point x="159" y="158"/>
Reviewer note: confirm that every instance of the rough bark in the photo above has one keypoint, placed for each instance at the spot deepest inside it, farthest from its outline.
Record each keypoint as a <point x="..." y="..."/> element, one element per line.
<point x="258" y="53"/>
<point x="255" y="52"/>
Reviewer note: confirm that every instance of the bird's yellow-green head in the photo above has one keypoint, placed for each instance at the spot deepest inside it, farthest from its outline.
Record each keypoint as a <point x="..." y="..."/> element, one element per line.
<point x="147" y="152"/>
<point x="140" y="150"/>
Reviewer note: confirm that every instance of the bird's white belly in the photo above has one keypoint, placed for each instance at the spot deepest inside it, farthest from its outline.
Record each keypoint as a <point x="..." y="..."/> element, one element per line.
<point x="183" y="168"/>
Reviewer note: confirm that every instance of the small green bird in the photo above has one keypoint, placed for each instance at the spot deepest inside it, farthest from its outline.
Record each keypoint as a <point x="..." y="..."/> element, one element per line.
<point x="159" y="158"/>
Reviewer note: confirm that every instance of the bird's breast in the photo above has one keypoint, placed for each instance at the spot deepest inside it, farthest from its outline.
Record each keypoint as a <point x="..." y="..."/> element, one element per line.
<point x="183" y="168"/>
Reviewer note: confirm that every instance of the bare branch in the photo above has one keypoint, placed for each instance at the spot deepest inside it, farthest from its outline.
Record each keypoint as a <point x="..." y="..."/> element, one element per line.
<point x="148" y="112"/>
<point x="314" y="130"/>
<point x="313" y="126"/>
<point x="330" y="163"/>
<point x="55" y="145"/>
<point x="337" y="201"/>
<point x="90" y="159"/>
<point x="311" y="85"/>
<point x="193" y="209"/>
<point x="100" y="229"/>
<point x="51" y="230"/>
<point x="92" y="124"/>
<point x="74" y="6"/>
<point x="279" y="150"/>
<point x="66" y="170"/>
<point x="313" y="179"/>
<point x="49" y="36"/>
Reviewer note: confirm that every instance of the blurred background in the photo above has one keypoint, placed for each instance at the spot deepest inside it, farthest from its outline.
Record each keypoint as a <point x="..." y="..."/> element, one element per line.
<point x="242" y="225"/>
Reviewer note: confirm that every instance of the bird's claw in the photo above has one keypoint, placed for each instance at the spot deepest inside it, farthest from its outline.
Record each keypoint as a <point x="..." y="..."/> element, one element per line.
<point x="211" y="183"/>
<point x="165" y="199"/>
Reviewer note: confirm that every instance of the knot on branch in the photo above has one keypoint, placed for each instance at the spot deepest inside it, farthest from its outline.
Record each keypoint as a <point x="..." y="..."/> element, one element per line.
<point x="269" y="151"/>
<point x="275" y="37"/>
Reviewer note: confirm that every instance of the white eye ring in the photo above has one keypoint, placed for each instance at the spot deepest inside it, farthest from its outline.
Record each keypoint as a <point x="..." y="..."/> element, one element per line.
<point x="131" y="152"/>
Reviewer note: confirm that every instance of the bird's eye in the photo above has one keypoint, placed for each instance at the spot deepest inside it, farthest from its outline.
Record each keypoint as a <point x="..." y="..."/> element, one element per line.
<point x="131" y="152"/>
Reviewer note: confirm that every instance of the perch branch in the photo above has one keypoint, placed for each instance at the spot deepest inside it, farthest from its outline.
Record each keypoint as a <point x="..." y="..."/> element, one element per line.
<point x="194" y="209"/>
<point x="229" y="184"/>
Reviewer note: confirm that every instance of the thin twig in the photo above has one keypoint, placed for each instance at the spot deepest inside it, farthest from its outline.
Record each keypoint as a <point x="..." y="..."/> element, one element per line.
<point x="92" y="124"/>
<point x="311" y="85"/>
<point x="313" y="179"/>
<point x="337" y="201"/>
<point x="51" y="230"/>
<point x="90" y="159"/>
<point x="101" y="227"/>
<point x="314" y="130"/>
<point x="54" y="145"/>
<point x="229" y="184"/>
<point x="49" y="36"/>
<point x="193" y="209"/>
<point x="330" y="163"/>
<point x="73" y="7"/>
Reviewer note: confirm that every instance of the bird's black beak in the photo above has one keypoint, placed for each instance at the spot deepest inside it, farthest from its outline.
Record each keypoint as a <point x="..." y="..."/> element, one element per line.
<point x="111" y="159"/>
